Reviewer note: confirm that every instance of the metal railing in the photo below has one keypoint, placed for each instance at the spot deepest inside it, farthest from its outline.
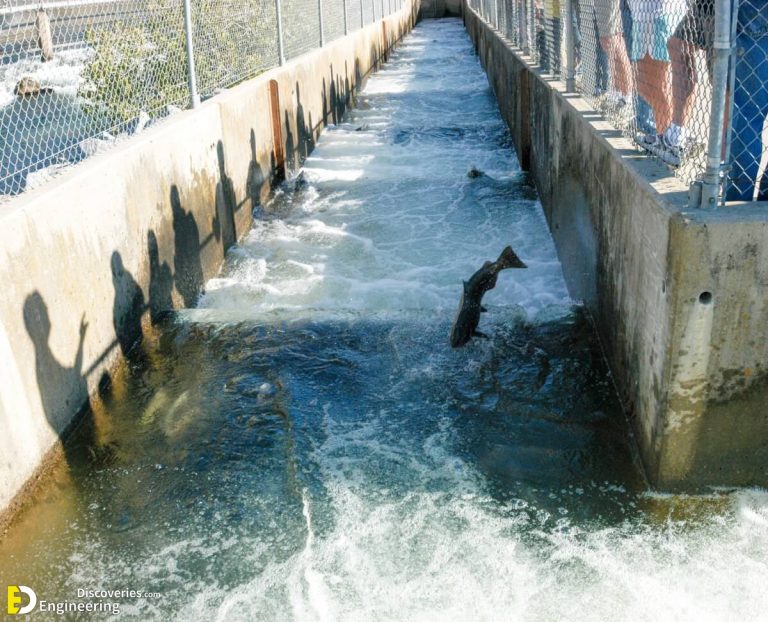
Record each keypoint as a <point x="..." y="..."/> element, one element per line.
<point x="686" y="80"/>
<point x="78" y="76"/>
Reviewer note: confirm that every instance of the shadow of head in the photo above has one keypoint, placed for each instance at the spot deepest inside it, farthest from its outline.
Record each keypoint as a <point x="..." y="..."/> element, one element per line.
<point x="36" y="319"/>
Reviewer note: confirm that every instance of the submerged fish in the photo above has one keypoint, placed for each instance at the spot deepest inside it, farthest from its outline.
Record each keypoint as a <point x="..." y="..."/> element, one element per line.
<point x="470" y="307"/>
<point x="474" y="173"/>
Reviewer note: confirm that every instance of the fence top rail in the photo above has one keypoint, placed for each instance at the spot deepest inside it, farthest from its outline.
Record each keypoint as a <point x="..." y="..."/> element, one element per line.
<point x="61" y="4"/>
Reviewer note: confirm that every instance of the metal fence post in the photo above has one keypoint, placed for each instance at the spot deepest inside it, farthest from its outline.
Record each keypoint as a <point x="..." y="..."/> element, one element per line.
<point x="320" y="14"/>
<point x="346" y="25"/>
<point x="531" y="27"/>
<point x="280" y="48"/>
<point x="710" y="189"/>
<point x="194" y="98"/>
<point x="570" y="48"/>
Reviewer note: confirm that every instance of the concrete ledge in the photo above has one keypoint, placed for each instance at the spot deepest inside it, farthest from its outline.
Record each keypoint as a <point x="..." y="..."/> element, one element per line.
<point x="90" y="260"/>
<point x="679" y="297"/>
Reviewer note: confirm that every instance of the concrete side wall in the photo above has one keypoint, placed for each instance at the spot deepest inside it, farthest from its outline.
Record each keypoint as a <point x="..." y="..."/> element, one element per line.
<point x="88" y="261"/>
<point x="690" y="367"/>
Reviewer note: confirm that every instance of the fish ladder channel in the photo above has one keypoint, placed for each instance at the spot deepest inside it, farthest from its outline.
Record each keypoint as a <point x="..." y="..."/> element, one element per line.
<point x="306" y="445"/>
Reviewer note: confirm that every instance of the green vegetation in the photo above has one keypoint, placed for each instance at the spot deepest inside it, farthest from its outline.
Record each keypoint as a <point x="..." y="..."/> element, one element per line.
<point x="140" y="62"/>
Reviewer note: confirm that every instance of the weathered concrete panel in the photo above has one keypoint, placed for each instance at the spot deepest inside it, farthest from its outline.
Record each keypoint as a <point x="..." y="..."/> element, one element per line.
<point x="440" y="8"/>
<point x="716" y="428"/>
<point x="90" y="260"/>
<point x="678" y="296"/>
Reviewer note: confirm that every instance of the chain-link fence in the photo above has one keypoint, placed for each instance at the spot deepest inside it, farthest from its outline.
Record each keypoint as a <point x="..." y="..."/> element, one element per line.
<point x="747" y="144"/>
<point x="686" y="80"/>
<point x="77" y="76"/>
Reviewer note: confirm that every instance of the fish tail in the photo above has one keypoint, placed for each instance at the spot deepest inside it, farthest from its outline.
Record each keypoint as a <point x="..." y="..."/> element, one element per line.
<point x="508" y="259"/>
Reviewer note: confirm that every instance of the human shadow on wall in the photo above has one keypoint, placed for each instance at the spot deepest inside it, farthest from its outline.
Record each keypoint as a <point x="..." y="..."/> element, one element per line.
<point x="338" y="97"/>
<point x="358" y="73"/>
<point x="375" y="57"/>
<point x="305" y="141"/>
<point x="333" y="103"/>
<point x="290" y="144"/>
<point x="223" y="224"/>
<point x="160" y="282"/>
<point x="187" y="265"/>
<point x="327" y="108"/>
<point x="309" y="145"/>
<point x="63" y="388"/>
<point x="255" y="178"/>
<point x="128" y="306"/>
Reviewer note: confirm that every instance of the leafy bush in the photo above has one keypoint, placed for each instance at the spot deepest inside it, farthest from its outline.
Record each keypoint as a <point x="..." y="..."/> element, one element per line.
<point x="140" y="62"/>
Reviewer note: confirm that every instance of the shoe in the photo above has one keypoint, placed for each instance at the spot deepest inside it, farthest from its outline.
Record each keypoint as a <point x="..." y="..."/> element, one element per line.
<point x="624" y="112"/>
<point x="688" y="148"/>
<point x="611" y="99"/>
<point x="675" y="134"/>
<point x="657" y="145"/>
<point x="616" y="107"/>
<point x="681" y="143"/>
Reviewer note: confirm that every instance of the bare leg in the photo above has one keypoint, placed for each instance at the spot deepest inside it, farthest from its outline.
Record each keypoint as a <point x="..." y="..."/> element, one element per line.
<point x="653" y="84"/>
<point x="683" y="80"/>
<point x="618" y="61"/>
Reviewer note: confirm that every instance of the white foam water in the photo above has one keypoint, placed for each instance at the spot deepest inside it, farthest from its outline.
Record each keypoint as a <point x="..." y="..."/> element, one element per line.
<point x="390" y="220"/>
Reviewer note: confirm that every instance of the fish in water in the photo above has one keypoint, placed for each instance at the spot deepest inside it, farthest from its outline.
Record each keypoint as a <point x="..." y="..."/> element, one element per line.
<point x="300" y="182"/>
<point x="474" y="173"/>
<point x="470" y="307"/>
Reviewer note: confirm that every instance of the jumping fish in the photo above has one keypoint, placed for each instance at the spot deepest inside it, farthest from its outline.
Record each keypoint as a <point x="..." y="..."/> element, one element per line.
<point x="470" y="307"/>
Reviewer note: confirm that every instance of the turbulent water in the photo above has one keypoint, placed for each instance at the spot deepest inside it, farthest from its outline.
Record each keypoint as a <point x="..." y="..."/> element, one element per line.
<point x="306" y="446"/>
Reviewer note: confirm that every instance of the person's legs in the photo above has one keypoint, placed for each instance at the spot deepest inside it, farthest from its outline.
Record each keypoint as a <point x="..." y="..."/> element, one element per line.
<point x="588" y="51"/>
<point x="611" y="31"/>
<point x="618" y="61"/>
<point x="683" y="79"/>
<point x="694" y="35"/>
<point x="653" y="85"/>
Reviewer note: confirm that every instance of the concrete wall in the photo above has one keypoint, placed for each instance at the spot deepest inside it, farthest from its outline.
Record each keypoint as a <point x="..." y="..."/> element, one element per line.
<point x="90" y="260"/>
<point x="440" y="8"/>
<point x="679" y="296"/>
